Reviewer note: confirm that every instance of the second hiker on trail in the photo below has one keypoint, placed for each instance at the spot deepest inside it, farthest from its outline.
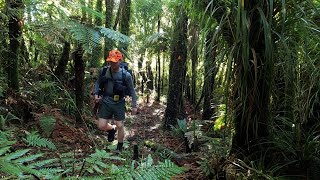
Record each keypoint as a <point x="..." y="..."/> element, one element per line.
<point x="113" y="84"/>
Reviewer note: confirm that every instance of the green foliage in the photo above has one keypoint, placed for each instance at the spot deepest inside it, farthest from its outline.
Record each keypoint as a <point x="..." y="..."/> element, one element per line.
<point x="3" y="85"/>
<point x="47" y="124"/>
<point x="146" y="170"/>
<point x="33" y="139"/>
<point x="20" y="164"/>
<point x="46" y="91"/>
<point x="7" y="118"/>
<point x="94" y="162"/>
<point x="180" y="128"/>
<point x="219" y="123"/>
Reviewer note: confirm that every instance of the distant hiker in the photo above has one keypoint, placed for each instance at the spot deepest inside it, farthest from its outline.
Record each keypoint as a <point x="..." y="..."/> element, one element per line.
<point x="113" y="84"/>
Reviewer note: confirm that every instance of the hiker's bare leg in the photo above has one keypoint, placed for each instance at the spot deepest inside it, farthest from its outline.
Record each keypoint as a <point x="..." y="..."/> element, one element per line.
<point x="104" y="125"/>
<point x="120" y="128"/>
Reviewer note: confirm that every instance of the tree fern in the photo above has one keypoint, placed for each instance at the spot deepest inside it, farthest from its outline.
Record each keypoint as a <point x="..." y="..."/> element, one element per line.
<point x="33" y="139"/>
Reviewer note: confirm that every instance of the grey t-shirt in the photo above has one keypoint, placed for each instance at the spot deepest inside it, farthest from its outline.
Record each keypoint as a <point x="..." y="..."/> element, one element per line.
<point x="117" y="77"/>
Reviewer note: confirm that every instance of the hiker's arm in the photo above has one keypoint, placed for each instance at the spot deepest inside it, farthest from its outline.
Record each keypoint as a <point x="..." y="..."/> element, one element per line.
<point x="131" y="90"/>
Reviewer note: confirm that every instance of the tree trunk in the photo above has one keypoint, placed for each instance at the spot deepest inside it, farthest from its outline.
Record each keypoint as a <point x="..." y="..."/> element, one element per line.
<point x="121" y="6"/>
<point x="253" y="72"/>
<point x="52" y="58"/>
<point x="194" y="60"/>
<point x="124" y="24"/>
<point x="149" y="76"/>
<point x="24" y="53"/>
<point x="62" y="64"/>
<point x="15" y="32"/>
<point x="177" y="74"/>
<point x="97" y="50"/>
<point x="209" y="76"/>
<point x="158" y="66"/>
<point x="109" y="10"/>
<point x="79" y="66"/>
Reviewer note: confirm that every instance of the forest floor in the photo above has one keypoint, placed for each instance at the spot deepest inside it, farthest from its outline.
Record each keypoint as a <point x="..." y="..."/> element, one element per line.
<point x="139" y="129"/>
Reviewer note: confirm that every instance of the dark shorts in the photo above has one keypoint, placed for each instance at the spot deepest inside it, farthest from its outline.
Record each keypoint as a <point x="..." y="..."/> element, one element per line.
<point x="114" y="111"/>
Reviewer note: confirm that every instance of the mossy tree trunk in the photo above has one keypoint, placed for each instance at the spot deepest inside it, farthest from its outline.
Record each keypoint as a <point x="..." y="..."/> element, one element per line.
<point x="177" y="67"/>
<point x="15" y="32"/>
<point x="124" y="22"/>
<point x="79" y="66"/>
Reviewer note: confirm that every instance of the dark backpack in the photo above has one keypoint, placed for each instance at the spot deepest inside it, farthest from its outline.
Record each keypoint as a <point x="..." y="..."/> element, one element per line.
<point x="119" y="88"/>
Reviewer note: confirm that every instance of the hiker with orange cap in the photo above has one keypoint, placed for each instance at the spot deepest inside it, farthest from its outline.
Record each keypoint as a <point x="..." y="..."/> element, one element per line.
<point x="110" y="89"/>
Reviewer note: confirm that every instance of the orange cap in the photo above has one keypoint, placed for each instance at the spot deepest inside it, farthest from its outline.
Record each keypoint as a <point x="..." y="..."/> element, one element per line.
<point x="114" y="56"/>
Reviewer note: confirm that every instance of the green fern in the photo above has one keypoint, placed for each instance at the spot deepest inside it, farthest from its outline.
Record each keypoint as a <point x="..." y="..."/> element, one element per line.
<point x="146" y="170"/>
<point x="47" y="124"/>
<point x="7" y="118"/>
<point x="33" y="139"/>
<point x="94" y="163"/>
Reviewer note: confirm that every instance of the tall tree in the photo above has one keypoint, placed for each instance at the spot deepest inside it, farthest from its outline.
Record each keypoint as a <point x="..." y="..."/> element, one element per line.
<point x="253" y="73"/>
<point x="124" y="22"/>
<point x="209" y="75"/>
<point x="109" y="11"/>
<point x="194" y="61"/>
<point x="63" y="61"/>
<point x="15" y="32"/>
<point x="97" y="50"/>
<point x="177" y="67"/>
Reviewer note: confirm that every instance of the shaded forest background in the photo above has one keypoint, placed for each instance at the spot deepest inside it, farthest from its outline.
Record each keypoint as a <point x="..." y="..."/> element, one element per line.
<point x="250" y="68"/>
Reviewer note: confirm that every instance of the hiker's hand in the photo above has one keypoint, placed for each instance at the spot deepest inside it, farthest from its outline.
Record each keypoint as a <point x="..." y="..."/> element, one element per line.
<point x="97" y="98"/>
<point x="134" y="111"/>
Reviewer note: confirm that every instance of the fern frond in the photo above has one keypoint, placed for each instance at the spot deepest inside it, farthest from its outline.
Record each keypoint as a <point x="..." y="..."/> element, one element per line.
<point x="28" y="158"/>
<point x="164" y="170"/>
<point x="114" y="35"/>
<point x="87" y="36"/>
<point x="47" y="124"/>
<point x="33" y="139"/>
<point x="8" y="168"/>
<point x="3" y="150"/>
<point x="16" y="154"/>
<point x="6" y="142"/>
<point x="43" y="163"/>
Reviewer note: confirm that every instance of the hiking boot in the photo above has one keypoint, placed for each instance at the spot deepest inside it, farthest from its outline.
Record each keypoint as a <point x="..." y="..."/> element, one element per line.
<point x="119" y="147"/>
<point x="111" y="134"/>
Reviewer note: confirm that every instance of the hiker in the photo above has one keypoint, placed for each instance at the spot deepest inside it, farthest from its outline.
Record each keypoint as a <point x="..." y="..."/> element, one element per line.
<point x="114" y="81"/>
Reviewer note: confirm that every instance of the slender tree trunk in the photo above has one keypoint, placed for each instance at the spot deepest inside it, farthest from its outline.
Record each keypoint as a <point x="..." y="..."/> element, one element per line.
<point x="177" y="74"/>
<point x="149" y="76"/>
<point x="209" y="76"/>
<point x="194" y="60"/>
<point x="124" y="24"/>
<point x="24" y="53"/>
<point x="90" y="5"/>
<point x="62" y="64"/>
<point x="109" y="10"/>
<point x="52" y="58"/>
<point x="158" y="65"/>
<point x="79" y="66"/>
<point x="96" y="51"/>
<point x="121" y="6"/>
<point x="15" y="32"/>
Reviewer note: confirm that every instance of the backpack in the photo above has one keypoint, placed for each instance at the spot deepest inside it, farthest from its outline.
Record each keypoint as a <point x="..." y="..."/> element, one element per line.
<point x="119" y="88"/>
